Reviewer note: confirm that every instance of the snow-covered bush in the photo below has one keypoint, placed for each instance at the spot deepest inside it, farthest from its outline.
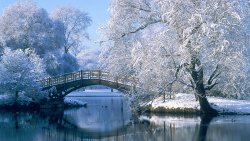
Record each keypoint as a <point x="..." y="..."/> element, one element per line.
<point x="20" y="71"/>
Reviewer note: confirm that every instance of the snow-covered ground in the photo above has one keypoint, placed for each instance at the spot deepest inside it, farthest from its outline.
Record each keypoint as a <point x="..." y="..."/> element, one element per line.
<point x="223" y="105"/>
<point x="180" y="101"/>
<point x="230" y="105"/>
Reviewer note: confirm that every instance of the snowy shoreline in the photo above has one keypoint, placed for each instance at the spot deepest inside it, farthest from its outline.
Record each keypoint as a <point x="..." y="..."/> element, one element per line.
<point x="181" y="103"/>
<point x="186" y="103"/>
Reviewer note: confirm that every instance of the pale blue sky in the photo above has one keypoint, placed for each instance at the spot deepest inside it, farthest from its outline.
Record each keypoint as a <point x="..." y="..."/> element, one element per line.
<point x="97" y="9"/>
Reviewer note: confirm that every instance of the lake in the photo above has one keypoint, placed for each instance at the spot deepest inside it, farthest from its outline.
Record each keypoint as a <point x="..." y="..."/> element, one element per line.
<point x="110" y="119"/>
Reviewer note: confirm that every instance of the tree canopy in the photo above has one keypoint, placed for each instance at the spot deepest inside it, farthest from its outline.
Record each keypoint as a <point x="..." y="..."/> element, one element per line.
<point x="75" y="23"/>
<point x="24" y="25"/>
<point x="191" y="45"/>
<point x="20" y="70"/>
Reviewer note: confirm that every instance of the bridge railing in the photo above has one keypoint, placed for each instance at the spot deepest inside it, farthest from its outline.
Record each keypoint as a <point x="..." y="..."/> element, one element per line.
<point x="79" y="75"/>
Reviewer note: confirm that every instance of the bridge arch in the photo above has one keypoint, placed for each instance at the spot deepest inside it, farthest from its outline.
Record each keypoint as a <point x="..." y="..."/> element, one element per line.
<point x="70" y="82"/>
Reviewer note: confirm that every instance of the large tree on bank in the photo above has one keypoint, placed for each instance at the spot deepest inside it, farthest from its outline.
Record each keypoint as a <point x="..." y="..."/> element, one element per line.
<point x="201" y="44"/>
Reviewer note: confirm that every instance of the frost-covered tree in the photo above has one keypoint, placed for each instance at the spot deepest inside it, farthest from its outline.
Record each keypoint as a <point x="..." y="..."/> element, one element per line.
<point x="201" y="44"/>
<point x="75" y="23"/>
<point x="24" y="25"/>
<point x="88" y="59"/>
<point x="20" y="71"/>
<point x="52" y="61"/>
<point x="69" y="63"/>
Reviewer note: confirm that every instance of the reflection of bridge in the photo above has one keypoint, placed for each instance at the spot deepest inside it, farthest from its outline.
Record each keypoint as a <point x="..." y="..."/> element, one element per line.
<point x="67" y="83"/>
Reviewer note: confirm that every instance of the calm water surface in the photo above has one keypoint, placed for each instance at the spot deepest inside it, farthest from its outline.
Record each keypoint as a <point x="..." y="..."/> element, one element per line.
<point x="109" y="119"/>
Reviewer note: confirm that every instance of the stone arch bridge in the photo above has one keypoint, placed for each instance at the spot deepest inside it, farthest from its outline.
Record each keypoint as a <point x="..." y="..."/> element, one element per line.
<point x="67" y="83"/>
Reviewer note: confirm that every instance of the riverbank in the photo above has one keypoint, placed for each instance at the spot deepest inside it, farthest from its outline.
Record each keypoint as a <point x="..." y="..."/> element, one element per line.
<point x="31" y="106"/>
<point x="25" y="103"/>
<point x="181" y="103"/>
<point x="186" y="103"/>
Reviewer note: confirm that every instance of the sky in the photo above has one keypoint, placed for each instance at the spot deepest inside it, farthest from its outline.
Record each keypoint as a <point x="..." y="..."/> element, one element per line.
<point x="97" y="9"/>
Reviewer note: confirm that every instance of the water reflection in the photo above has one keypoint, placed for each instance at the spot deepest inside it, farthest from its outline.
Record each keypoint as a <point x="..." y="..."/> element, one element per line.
<point x="204" y="124"/>
<point x="192" y="128"/>
<point x="103" y="119"/>
<point x="109" y="119"/>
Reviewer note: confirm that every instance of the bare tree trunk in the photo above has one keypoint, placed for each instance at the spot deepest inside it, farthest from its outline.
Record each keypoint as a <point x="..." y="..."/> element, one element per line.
<point x="16" y="98"/>
<point x="196" y="71"/>
<point x="205" y="107"/>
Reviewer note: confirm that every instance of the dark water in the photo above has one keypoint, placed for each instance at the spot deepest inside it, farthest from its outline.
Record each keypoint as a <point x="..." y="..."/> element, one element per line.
<point x="109" y="119"/>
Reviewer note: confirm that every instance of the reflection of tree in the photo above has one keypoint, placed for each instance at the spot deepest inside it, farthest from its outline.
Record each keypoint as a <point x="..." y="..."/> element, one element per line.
<point x="55" y="116"/>
<point x="16" y="120"/>
<point x="170" y="128"/>
<point x="204" y="124"/>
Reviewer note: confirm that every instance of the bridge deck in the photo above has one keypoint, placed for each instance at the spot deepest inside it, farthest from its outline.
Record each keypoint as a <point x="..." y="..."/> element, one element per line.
<point x="85" y="78"/>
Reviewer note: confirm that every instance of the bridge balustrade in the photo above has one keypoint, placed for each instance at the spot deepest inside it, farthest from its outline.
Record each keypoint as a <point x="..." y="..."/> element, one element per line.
<point x="72" y="81"/>
<point x="80" y="75"/>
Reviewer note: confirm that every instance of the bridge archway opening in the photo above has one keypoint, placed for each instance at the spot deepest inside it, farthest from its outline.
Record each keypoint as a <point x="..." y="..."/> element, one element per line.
<point x="68" y="83"/>
<point x="95" y="90"/>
